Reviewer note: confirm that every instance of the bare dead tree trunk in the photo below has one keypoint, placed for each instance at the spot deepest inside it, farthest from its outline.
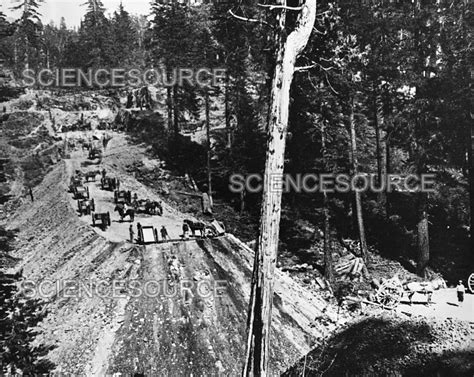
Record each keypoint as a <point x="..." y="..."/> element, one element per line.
<point x="261" y="299"/>
<point x="227" y="111"/>
<point x="358" y="199"/>
<point x="169" y="104"/>
<point x="208" y="145"/>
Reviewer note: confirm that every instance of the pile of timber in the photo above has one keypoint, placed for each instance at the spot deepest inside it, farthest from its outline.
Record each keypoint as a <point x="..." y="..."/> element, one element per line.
<point x="349" y="267"/>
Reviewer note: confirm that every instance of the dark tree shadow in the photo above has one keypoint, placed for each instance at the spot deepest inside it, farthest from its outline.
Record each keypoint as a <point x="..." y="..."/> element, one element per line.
<point x="383" y="347"/>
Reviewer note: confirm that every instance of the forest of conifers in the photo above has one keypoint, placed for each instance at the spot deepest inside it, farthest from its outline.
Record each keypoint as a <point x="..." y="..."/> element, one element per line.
<point x="375" y="89"/>
<point x="395" y="72"/>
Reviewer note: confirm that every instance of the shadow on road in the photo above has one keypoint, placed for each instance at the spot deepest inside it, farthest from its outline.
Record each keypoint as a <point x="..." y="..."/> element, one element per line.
<point x="380" y="347"/>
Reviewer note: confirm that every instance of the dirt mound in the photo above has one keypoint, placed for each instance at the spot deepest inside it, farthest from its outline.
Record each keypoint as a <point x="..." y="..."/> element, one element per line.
<point x="388" y="345"/>
<point x="195" y="323"/>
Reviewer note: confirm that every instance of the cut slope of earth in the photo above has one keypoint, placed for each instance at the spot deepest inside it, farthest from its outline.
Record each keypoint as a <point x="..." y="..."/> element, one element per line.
<point x="193" y="319"/>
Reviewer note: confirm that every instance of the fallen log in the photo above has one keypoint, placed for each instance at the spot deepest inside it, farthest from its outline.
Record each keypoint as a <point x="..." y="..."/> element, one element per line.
<point x="356" y="299"/>
<point x="187" y="193"/>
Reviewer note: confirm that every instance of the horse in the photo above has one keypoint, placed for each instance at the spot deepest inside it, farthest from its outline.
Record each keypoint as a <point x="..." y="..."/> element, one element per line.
<point x="424" y="287"/>
<point x="195" y="226"/>
<point x="123" y="212"/>
<point x="91" y="174"/>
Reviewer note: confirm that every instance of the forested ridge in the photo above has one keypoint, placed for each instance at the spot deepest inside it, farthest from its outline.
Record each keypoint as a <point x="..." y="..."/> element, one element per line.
<point x="381" y="89"/>
<point x="397" y="72"/>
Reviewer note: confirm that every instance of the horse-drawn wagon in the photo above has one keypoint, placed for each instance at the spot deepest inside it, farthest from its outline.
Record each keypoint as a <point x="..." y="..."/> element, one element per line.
<point x="470" y="282"/>
<point x="392" y="291"/>
<point x="90" y="175"/>
<point x="204" y="229"/>
<point x="81" y="192"/>
<point x="109" y="184"/>
<point x="74" y="182"/>
<point x="101" y="220"/>
<point x="139" y="205"/>
<point x="147" y="206"/>
<point x="121" y="197"/>
<point x="85" y="206"/>
<point x="147" y="234"/>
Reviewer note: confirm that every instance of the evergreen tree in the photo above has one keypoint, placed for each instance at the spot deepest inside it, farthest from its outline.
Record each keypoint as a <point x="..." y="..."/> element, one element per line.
<point x="124" y="37"/>
<point x="28" y="29"/>
<point x="95" y="36"/>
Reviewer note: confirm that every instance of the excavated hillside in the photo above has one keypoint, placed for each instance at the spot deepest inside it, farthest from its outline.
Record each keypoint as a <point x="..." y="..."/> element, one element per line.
<point x="177" y="308"/>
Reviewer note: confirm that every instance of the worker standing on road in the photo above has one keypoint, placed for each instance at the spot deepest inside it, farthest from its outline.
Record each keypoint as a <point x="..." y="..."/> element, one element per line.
<point x="132" y="233"/>
<point x="164" y="233"/>
<point x="185" y="230"/>
<point x="460" y="289"/>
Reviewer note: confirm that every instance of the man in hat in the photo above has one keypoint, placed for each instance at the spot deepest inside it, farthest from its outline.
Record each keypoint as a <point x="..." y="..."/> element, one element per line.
<point x="460" y="289"/>
<point x="164" y="233"/>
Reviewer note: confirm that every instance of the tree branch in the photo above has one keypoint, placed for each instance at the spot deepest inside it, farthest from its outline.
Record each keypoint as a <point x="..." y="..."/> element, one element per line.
<point x="246" y="19"/>
<point x="307" y="67"/>
<point x="286" y="7"/>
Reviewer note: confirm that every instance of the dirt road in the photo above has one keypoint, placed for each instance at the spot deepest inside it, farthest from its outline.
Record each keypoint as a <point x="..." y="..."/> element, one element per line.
<point x="104" y="200"/>
<point x="179" y="328"/>
<point x="443" y="305"/>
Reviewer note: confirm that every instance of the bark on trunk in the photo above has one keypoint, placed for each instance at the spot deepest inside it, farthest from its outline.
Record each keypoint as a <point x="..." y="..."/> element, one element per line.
<point x="208" y="146"/>
<point x="261" y="300"/>
<point x="328" y="262"/>
<point x="357" y="194"/>
<point x="377" y="124"/>
<point x="388" y="169"/>
<point x="471" y="176"/>
<point x="169" y="104"/>
<point x="175" y="111"/>
<point x="423" y="235"/>
<point x="227" y="111"/>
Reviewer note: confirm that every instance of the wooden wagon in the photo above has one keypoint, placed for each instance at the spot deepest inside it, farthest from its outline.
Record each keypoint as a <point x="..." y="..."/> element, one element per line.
<point x="74" y="182"/>
<point x="81" y="192"/>
<point x="85" y="206"/>
<point x="205" y="230"/>
<point x="90" y="175"/>
<point x="391" y="291"/>
<point x="470" y="282"/>
<point x="101" y="220"/>
<point x="122" y="197"/>
<point x="109" y="184"/>
<point x="140" y="206"/>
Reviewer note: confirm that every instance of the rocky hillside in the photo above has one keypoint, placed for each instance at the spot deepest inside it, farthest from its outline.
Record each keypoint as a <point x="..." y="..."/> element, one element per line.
<point x="191" y="322"/>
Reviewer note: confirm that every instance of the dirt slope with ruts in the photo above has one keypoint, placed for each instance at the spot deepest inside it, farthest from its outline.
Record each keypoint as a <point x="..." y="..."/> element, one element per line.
<point x="175" y="309"/>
